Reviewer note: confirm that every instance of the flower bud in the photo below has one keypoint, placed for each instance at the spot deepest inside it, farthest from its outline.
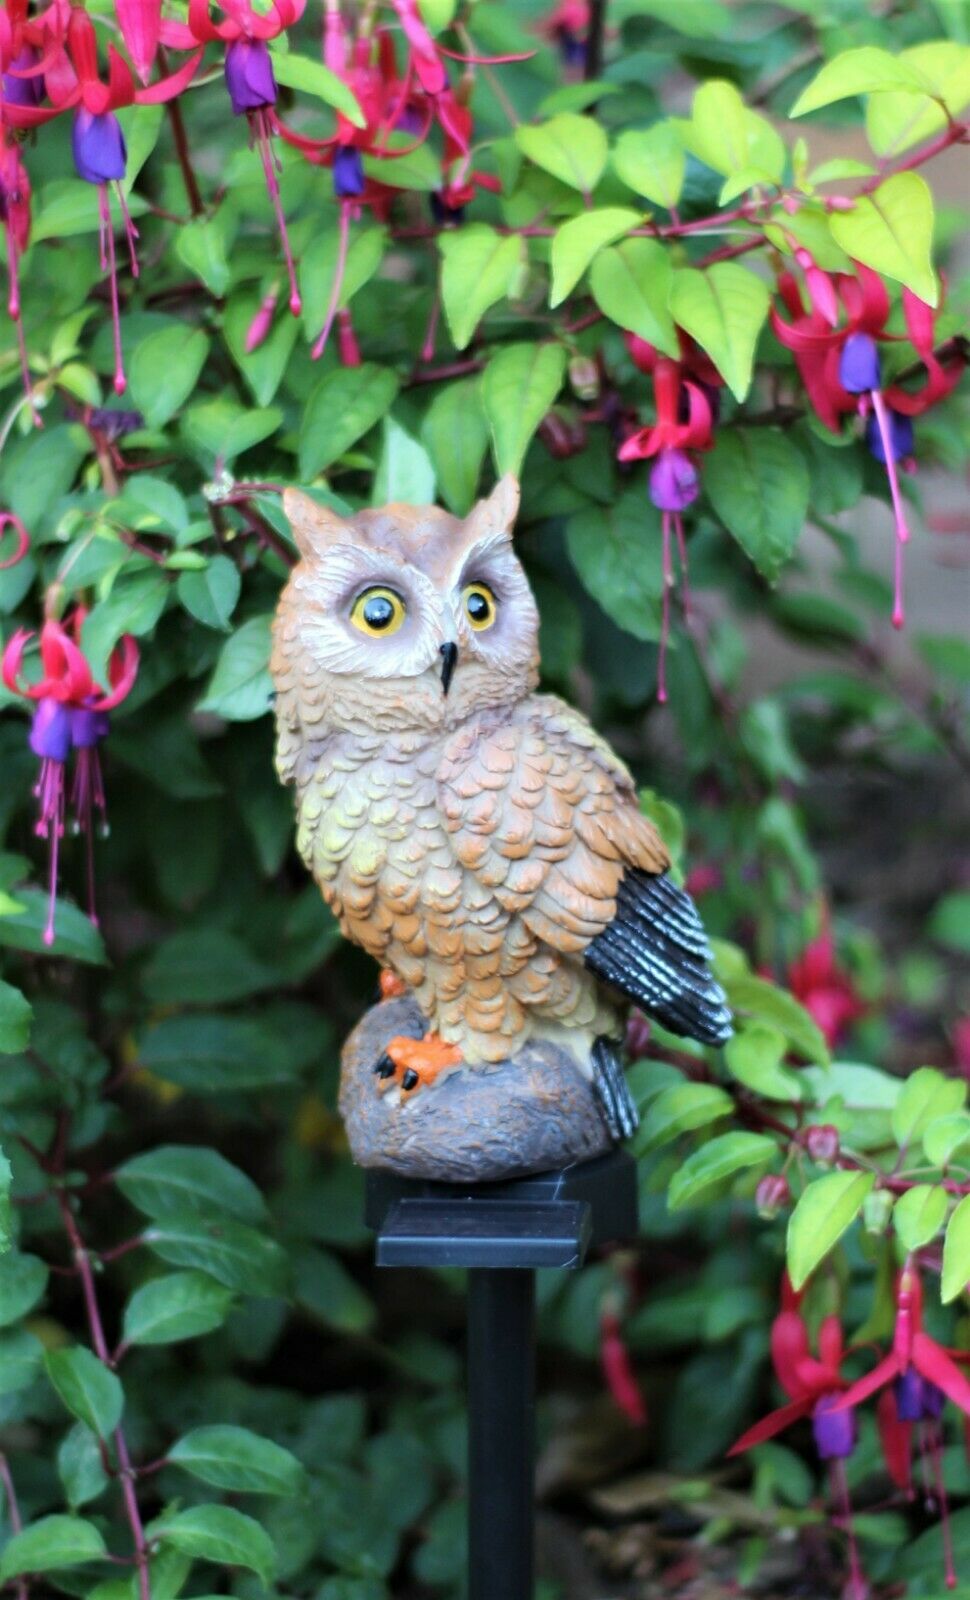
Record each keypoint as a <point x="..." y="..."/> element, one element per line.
<point x="259" y="329"/>
<point x="822" y="1143"/>
<point x="584" y="378"/>
<point x="772" y="1195"/>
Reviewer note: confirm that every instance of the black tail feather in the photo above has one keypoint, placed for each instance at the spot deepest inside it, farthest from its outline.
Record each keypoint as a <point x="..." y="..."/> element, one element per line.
<point x="655" y="951"/>
<point x="619" y="1111"/>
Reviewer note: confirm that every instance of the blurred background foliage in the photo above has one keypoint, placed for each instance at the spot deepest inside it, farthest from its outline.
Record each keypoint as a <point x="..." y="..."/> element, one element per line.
<point x="168" y="1087"/>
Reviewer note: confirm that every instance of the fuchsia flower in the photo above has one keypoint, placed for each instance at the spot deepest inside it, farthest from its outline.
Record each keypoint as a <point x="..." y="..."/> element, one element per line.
<point x="15" y="219"/>
<point x="66" y="37"/>
<point x="684" y="424"/>
<point x="916" y="1377"/>
<point x="250" y="83"/>
<point x="71" y="714"/>
<point x="567" y="26"/>
<point x="618" y="1369"/>
<point x="840" y="367"/>
<point x="824" y="988"/>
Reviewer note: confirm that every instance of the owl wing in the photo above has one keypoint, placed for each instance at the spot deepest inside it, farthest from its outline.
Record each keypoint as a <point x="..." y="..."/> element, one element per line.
<point x="546" y="817"/>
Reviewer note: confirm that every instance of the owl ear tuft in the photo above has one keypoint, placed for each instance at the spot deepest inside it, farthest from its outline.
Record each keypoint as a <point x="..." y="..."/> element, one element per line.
<point x="497" y="513"/>
<point x="314" y="526"/>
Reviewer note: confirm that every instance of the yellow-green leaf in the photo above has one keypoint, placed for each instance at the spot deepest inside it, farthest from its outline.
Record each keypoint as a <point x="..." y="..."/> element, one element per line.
<point x="724" y="308"/>
<point x="631" y="284"/>
<point x="956" y="1253"/>
<point x="652" y="162"/>
<point x="856" y="72"/>
<point x="919" y="1214"/>
<point x="478" y="268"/>
<point x="925" y="1095"/>
<point x="825" y="1210"/>
<point x="709" y="1166"/>
<point x="518" y="386"/>
<point x="891" y="231"/>
<point x="579" y="240"/>
<point x="572" y="148"/>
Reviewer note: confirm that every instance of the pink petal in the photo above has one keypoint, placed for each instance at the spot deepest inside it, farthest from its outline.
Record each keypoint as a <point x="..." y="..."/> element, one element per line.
<point x="140" y="24"/>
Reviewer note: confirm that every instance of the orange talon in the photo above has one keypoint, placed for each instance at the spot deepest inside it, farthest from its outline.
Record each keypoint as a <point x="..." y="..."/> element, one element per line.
<point x="416" y="1062"/>
<point x="392" y="987"/>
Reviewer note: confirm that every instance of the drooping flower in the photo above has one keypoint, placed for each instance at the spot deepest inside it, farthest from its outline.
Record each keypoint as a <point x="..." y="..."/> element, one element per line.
<point x="72" y="83"/>
<point x="919" y="1374"/>
<point x="618" y="1369"/>
<point x="840" y="366"/>
<point x="71" y="714"/>
<point x="824" y="988"/>
<point x="684" y="424"/>
<point x="250" y="83"/>
<point x="567" y="26"/>
<point x="815" y="1388"/>
<point x="15" y="219"/>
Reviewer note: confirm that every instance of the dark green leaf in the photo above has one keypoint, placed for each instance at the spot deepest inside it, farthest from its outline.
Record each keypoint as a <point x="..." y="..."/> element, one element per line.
<point x="89" y="1389"/>
<point x="235" y="1459"/>
<point x="181" y="1305"/>
<point x="176" y="1179"/>
<point x="758" y="484"/>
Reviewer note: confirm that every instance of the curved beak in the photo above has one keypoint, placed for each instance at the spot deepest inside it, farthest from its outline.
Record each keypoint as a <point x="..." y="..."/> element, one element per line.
<point x="449" y="658"/>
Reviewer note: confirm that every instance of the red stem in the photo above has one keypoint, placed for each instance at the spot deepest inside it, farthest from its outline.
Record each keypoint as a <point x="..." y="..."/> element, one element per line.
<point x="13" y="1511"/>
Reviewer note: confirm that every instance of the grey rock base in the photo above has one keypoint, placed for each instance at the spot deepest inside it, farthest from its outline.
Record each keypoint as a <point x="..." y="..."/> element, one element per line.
<point x="532" y="1113"/>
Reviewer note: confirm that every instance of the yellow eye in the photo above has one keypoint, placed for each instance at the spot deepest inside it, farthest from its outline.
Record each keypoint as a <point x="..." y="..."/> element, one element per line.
<point x="480" y="605"/>
<point x="378" y="612"/>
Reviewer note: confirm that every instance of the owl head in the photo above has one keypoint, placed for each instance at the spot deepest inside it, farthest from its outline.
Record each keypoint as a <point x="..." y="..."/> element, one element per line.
<point x="400" y="618"/>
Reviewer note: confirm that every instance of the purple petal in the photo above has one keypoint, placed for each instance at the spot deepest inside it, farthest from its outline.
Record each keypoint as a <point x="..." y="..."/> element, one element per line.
<point x="859" y="364"/>
<point x="901" y="437"/>
<point x="98" y="146"/>
<point x="835" y="1431"/>
<point x="917" y="1399"/>
<point x="674" y="483"/>
<point x="23" y="91"/>
<point x="348" y="173"/>
<point x="88" y="728"/>
<point x="50" y="731"/>
<point x="249" y="76"/>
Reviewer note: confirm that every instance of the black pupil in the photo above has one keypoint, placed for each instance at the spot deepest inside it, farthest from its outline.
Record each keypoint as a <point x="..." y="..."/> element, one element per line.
<point x="478" y="608"/>
<point x="378" y="611"/>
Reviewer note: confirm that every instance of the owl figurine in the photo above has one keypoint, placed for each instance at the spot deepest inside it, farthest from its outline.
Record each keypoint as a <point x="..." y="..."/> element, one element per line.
<point x="477" y="838"/>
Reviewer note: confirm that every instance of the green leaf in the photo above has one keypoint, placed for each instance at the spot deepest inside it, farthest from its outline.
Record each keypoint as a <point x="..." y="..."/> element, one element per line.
<point x="616" y="552"/>
<point x="23" y="1280"/>
<point x="455" y="435"/>
<point x="201" y="246"/>
<point x="944" y="1136"/>
<point x="754" y="1057"/>
<point x="210" y="1053"/>
<point x="312" y="77"/>
<point x="165" y="369"/>
<point x="262" y="368"/>
<point x="856" y="72"/>
<point x="91" y="1392"/>
<point x="15" y="1018"/>
<point x="919" y="1214"/>
<point x="220" y="1534"/>
<point x="325" y="1287"/>
<point x="519" y="385"/>
<point x="758" y="483"/>
<point x="652" y="162"/>
<point x="176" y="1179"/>
<point x="221" y="429"/>
<point x="572" y="148"/>
<point x="714" y="1162"/>
<point x="676" y="1110"/>
<point x="824" y="1211"/>
<point x="210" y="596"/>
<point x="631" y="286"/>
<point x="404" y="473"/>
<point x="241" y="688"/>
<point x="21" y="1355"/>
<point x="231" y="1252"/>
<point x="180" y="1305"/>
<point x="729" y="137"/>
<point x="80" y="1466"/>
<point x="49" y="1545"/>
<point x="724" y="308"/>
<point x="892" y="232"/>
<point x="134" y="606"/>
<point x="235" y="1459"/>
<point x="478" y="268"/>
<point x="579" y="240"/>
<point x="950" y="922"/>
<point x="75" y="936"/>
<point x="762" y="1000"/>
<point x="68" y="206"/>
<point x="204" y="967"/>
<point x="320" y="264"/>
<point x="956" y="1253"/>
<point x="345" y="404"/>
<point x="925" y="1096"/>
<point x="897" y="119"/>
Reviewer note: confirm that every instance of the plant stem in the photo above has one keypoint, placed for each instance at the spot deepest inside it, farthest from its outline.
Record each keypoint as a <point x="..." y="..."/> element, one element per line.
<point x="96" y="1326"/>
<point x="595" y="33"/>
<point x="16" y="1520"/>
<point x="177" y="125"/>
